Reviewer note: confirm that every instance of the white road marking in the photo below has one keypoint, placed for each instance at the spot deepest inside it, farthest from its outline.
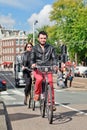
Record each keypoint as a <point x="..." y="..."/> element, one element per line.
<point x="6" y="95"/>
<point x="80" y="112"/>
<point x="3" y="92"/>
<point x="59" y="90"/>
<point x="21" y="103"/>
<point x="18" y="92"/>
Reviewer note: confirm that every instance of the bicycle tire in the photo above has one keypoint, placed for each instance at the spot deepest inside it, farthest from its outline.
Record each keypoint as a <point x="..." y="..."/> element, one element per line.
<point x="42" y="107"/>
<point x="29" y="106"/>
<point x="43" y="100"/>
<point x="49" y="105"/>
<point x="31" y="100"/>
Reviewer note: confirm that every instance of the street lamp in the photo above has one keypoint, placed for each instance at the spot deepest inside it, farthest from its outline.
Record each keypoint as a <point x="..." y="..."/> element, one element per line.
<point x="34" y="23"/>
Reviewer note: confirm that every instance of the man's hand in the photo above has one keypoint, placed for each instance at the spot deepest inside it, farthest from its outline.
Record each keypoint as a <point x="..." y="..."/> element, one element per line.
<point x="23" y="67"/>
<point x="33" y="65"/>
<point x="55" y="68"/>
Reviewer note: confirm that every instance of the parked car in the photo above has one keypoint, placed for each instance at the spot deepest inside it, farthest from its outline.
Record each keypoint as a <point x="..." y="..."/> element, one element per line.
<point x="19" y="80"/>
<point x="84" y="74"/>
<point x="3" y="86"/>
<point x="78" y="71"/>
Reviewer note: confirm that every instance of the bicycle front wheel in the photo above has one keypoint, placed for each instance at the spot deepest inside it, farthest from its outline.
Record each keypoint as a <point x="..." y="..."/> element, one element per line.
<point x="42" y="107"/>
<point x="49" y="105"/>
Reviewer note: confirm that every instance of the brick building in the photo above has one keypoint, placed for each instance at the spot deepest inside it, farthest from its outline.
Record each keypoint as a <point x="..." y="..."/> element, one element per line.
<point x="11" y="43"/>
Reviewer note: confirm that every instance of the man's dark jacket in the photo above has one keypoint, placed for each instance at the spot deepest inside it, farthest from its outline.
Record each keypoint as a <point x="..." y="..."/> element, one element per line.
<point x="43" y="58"/>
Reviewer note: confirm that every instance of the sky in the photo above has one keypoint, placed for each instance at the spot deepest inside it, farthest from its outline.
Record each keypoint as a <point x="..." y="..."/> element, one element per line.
<point x="21" y="14"/>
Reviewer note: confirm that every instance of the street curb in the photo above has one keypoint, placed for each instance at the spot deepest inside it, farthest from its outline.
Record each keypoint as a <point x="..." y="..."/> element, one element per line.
<point x="4" y="118"/>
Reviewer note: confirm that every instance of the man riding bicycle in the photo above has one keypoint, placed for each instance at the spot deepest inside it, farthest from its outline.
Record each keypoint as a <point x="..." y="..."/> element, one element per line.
<point x="43" y="54"/>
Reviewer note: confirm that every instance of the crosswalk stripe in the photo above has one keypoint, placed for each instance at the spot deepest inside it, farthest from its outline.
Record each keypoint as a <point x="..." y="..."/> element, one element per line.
<point x="7" y="97"/>
<point x="18" y="92"/>
<point x="4" y="93"/>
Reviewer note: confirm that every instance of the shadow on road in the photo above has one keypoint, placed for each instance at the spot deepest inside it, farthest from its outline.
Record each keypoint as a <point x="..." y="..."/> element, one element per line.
<point x="61" y="118"/>
<point x="21" y="116"/>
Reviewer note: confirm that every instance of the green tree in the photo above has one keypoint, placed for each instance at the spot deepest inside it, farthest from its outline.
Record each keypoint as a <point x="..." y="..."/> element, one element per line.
<point x="70" y="26"/>
<point x="30" y="37"/>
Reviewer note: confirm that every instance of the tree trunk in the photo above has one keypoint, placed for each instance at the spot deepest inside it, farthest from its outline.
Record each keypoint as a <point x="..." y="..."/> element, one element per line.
<point x="76" y="58"/>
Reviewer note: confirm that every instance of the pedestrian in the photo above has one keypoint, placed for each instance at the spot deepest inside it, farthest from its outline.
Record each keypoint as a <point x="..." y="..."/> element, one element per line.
<point x="43" y="54"/>
<point x="27" y="74"/>
<point x="65" y="74"/>
<point x="60" y="80"/>
<point x="70" y="77"/>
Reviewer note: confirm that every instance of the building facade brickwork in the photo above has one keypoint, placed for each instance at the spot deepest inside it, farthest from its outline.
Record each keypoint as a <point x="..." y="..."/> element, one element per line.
<point x="12" y="43"/>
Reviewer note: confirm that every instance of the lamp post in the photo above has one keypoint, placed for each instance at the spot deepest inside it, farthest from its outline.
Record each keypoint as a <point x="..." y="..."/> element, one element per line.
<point x="34" y="23"/>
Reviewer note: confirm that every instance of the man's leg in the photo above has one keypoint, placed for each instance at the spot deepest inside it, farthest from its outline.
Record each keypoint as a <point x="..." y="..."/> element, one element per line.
<point x="50" y="80"/>
<point x="38" y="83"/>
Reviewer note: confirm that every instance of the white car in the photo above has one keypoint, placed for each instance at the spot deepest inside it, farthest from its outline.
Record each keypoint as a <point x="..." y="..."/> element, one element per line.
<point x="78" y="71"/>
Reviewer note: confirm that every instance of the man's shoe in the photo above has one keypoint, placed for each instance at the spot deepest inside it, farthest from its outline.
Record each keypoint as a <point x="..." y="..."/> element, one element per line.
<point x="54" y="108"/>
<point x="36" y="97"/>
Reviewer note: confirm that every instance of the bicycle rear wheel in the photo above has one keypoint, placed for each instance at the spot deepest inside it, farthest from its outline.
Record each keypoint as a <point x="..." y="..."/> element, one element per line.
<point x="29" y="106"/>
<point x="49" y="105"/>
<point x="31" y="100"/>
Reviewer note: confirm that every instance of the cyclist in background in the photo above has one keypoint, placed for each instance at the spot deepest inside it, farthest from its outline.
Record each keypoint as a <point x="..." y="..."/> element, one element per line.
<point x="26" y="74"/>
<point x="43" y="54"/>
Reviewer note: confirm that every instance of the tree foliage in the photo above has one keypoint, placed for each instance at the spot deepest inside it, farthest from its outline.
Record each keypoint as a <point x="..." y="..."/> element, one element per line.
<point x="70" y="17"/>
<point x="30" y="37"/>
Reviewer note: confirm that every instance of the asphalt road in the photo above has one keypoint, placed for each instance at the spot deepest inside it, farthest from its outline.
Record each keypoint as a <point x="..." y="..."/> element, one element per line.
<point x="71" y="104"/>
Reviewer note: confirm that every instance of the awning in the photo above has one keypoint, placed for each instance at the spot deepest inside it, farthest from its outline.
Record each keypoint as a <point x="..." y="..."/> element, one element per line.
<point x="7" y="63"/>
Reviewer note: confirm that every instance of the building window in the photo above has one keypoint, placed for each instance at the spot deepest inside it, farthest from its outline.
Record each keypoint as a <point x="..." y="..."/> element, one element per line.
<point x="17" y="50"/>
<point x="17" y="41"/>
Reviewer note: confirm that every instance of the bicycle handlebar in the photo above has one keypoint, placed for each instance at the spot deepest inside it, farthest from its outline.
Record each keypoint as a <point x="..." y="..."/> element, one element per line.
<point x="44" y="68"/>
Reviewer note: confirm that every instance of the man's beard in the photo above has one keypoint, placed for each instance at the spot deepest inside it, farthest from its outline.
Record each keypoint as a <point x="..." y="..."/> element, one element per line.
<point x="42" y="44"/>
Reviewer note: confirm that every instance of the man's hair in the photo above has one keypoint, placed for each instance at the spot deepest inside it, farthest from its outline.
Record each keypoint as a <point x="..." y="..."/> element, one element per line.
<point x="43" y="33"/>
